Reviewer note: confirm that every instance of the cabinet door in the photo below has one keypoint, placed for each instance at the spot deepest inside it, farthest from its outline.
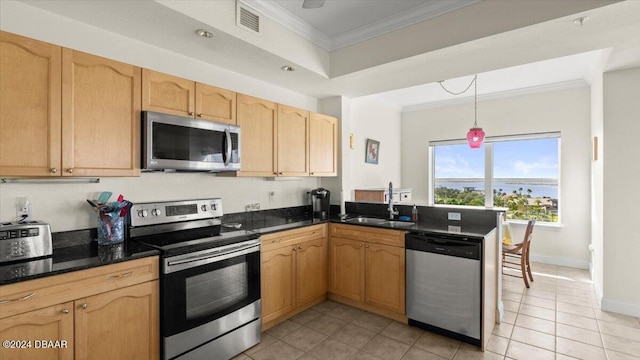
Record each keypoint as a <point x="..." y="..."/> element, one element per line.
<point x="311" y="270"/>
<point x="346" y="270"/>
<point x="167" y="94"/>
<point x="29" y="107"/>
<point x="292" y="141"/>
<point x="54" y="323"/>
<point x="385" y="277"/>
<point x="119" y="324"/>
<point x="215" y="104"/>
<point x="323" y="145"/>
<point x="277" y="281"/>
<point x="100" y="115"/>
<point x="257" y="120"/>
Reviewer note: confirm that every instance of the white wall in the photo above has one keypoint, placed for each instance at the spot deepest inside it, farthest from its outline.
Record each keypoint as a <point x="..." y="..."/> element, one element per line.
<point x="621" y="173"/>
<point x="566" y="111"/>
<point x="64" y="205"/>
<point x="597" y="185"/>
<point x="373" y="119"/>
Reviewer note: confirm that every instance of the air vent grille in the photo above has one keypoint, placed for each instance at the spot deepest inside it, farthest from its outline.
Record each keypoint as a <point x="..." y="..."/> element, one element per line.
<point x="248" y="19"/>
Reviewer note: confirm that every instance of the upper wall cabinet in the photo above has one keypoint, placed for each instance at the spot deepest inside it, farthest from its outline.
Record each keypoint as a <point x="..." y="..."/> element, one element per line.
<point x="173" y="95"/>
<point x="66" y="113"/>
<point x="292" y="143"/>
<point x="257" y="120"/>
<point x="100" y="116"/>
<point x="30" y="117"/>
<point x="323" y="145"/>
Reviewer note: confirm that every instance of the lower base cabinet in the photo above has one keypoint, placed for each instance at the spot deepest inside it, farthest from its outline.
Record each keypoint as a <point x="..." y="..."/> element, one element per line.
<point x="109" y="312"/>
<point x="293" y="272"/>
<point x="367" y="269"/>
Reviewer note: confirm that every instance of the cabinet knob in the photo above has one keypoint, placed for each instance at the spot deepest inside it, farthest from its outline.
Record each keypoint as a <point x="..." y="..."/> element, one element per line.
<point x="280" y="173"/>
<point x="65" y="311"/>
<point x="294" y="249"/>
<point x="84" y="306"/>
<point x="366" y="245"/>
<point x="199" y="114"/>
<point x="190" y="112"/>
<point x="54" y="170"/>
<point x="360" y="245"/>
<point x="310" y="173"/>
<point x="70" y="170"/>
<point x="299" y="247"/>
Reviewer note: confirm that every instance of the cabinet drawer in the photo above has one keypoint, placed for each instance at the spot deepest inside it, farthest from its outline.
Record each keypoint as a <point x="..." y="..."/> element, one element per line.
<point x="291" y="237"/>
<point x="35" y="294"/>
<point x="368" y="234"/>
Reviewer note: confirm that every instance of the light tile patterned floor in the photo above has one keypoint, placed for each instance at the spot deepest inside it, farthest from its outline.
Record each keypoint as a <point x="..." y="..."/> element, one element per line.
<point x="557" y="318"/>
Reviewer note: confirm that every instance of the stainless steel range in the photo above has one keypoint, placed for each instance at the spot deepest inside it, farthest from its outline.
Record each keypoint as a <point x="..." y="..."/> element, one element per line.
<point x="210" y="281"/>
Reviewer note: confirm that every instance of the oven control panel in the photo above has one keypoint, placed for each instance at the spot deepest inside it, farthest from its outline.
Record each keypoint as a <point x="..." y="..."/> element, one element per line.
<point x="175" y="211"/>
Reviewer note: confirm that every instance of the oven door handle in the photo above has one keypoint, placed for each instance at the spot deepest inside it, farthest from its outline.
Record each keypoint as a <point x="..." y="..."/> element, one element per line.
<point x="210" y="257"/>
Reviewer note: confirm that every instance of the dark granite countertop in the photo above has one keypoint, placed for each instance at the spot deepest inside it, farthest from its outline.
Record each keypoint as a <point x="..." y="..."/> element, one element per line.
<point x="72" y="258"/>
<point x="76" y="250"/>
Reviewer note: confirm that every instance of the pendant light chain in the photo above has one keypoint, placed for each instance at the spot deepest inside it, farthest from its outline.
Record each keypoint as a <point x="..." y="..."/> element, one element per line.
<point x="461" y="92"/>
<point x="475" y="101"/>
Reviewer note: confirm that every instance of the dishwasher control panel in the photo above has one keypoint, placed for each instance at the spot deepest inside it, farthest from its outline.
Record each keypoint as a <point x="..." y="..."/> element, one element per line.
<point x="443" y="245"/>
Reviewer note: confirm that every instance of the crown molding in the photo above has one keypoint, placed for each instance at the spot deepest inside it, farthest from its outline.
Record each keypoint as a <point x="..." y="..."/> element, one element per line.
<point x="571" y="84"/>
<point x="428" y="10"/>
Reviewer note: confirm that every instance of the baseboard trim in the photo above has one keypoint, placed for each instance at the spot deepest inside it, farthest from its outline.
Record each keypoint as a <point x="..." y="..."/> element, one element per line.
<point x="620" y="307"/>
<point x="500" y="312"/>
<point x="561" y="261"/>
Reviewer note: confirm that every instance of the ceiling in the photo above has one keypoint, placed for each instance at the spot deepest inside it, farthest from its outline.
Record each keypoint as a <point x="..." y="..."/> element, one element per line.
<point x="512" y="45"/>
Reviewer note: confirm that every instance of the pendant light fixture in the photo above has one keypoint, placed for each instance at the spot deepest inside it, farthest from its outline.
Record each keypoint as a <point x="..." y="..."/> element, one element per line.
<point x="475" y="136"/>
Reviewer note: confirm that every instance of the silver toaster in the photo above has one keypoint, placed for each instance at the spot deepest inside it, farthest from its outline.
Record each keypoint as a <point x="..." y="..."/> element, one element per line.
<point x="25" y="240"/>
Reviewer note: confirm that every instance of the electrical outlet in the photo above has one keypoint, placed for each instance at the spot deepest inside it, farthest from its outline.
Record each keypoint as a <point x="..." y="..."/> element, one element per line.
<point x="253" y="206"/>
<point x="272" y="196"/>
<point x="455" y="216"/>
<point x="23" y="208"/>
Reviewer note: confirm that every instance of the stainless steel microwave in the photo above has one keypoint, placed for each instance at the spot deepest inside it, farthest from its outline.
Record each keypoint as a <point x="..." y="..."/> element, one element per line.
<point x="172" y="142"/>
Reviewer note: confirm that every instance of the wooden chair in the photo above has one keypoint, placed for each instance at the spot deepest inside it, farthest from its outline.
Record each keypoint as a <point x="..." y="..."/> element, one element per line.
<point x="516" y="256"/>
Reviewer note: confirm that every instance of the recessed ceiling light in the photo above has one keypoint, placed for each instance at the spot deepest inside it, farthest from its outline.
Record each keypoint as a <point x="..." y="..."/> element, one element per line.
<point x="581" y="20"/>
<point x="204" y="33"/>
<point x="288" y="68"/>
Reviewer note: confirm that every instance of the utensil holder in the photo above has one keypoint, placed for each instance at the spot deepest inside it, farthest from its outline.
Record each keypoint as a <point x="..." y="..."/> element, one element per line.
<point x="110" y="230"/>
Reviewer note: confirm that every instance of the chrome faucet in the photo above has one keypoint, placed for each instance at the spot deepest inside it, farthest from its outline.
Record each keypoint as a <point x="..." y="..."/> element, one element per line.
<point x="392" y="211"/>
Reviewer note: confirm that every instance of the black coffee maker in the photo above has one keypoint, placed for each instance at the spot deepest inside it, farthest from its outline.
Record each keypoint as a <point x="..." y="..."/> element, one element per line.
<point x="320" y="201"/>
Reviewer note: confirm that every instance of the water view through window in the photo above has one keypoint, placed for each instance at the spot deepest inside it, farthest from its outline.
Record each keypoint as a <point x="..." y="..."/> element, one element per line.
<point x="525" y="177"/>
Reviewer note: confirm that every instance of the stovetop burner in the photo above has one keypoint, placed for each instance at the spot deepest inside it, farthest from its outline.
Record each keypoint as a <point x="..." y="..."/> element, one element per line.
<point x="179" y="227"/>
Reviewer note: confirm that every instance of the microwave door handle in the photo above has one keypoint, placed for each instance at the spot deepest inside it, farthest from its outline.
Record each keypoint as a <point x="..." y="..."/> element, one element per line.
<point x="227" y="158"/>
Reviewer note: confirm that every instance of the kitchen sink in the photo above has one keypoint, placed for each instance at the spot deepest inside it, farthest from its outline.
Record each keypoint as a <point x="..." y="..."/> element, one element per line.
<point x="365" y="220"/>
<point x="396" y="223"/>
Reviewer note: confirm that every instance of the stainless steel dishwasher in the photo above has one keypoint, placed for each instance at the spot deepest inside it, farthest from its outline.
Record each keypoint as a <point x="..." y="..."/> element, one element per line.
<point x="444" y="284"/>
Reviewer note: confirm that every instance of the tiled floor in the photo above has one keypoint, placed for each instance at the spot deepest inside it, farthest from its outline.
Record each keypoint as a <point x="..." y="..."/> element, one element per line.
<point x="557" y="318"/>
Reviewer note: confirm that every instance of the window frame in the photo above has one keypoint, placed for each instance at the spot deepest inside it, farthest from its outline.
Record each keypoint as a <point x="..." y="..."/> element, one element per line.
<point x="488" y="171"/>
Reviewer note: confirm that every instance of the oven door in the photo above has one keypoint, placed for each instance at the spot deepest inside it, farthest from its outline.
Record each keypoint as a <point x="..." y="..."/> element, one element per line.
<point x="199" y="288"/>
<point x="179" y="143"/>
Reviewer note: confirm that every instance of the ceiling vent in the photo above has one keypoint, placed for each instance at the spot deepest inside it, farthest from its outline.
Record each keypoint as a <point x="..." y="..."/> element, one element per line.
<point x="247" y="18"/>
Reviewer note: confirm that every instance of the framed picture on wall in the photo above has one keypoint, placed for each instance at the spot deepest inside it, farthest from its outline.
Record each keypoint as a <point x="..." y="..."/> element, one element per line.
<point x="372" y="151"/>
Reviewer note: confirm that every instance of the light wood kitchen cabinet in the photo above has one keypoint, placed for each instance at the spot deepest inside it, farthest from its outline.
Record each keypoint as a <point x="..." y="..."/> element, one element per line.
<point x="278" y="279"/>
<point x="367" y="268"/>
<point x="323" y="145"/>
<point x="53" y="323"/>
<point x="66" y="113"/>
<point x="293" y="272"/>
<point x="119" y="324"/>
<point x="91" y="309"/>
<point x="30" y="101"/>
<point x="100" y="116"/>
<point x="177" y="96"/>
<point x="292" y="142"/>
<point x="257" y="121"/>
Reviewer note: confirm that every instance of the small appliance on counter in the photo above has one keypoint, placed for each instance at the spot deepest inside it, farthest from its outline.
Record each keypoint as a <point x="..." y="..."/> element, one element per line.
<point x="320" y="199"/>
<point x="22" y="241"/>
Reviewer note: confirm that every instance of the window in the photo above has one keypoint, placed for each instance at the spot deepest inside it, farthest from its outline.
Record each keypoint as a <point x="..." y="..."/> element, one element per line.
<point x="524" y="177"/>
<point x="459" y="175"/>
